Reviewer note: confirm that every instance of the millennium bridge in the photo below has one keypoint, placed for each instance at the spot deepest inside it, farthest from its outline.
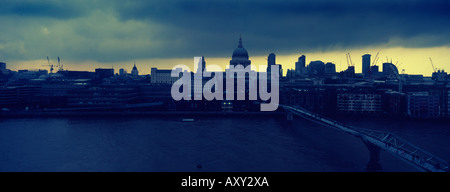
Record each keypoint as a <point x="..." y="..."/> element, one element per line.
<point x="378" y="140"/>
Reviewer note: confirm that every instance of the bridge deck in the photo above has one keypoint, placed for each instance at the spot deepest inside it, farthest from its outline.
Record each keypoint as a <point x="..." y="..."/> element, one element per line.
<point x="397" y="146"/>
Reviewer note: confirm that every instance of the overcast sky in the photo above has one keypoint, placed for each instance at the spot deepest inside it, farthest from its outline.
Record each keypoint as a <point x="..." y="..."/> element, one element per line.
<point x="123" y="30"/>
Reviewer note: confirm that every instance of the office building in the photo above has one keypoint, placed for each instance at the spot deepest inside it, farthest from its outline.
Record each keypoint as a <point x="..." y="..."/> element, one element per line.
<point x="439" y="76"/>
<point x="423" y="105"/>
<point x="201" y="66"/>
<point x="366" y="65"/>
<point x="330" y="68"/>
<point x="271" y="61"/>
<point x="8" y="97"/>
<point x="316" y="68"/>
<point x="122" y="72"/>
<point x="374" y="71"/>
<point x="390" y="70"/>
<point x="3" y="70"/>
<point x="2" y="65"/>
<point x="101" y="74"/>
<point x="359" y="103"/>
<point x="300" y="66"/>
<point x="448" y="100"/>
<point x="162" y="76"/>
<point x="394" y="103"/>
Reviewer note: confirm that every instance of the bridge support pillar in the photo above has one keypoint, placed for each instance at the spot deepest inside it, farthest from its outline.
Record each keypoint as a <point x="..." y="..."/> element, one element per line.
<point x="374" y="164"/>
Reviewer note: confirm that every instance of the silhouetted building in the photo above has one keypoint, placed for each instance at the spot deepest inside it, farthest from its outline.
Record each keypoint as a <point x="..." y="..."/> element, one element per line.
<point x="101" y="74"/>
<point x="59" y="88"/>
<point x="240" y="56"/>
<point x="77" y="74"/>
<point x="122" y="72"/>
<point x="201" y="66"/>
<point x="309" y="97"/>
<point x="394" y="103"/>
<point x="374" y="71"/>
<point x="349" y="72"/>
<point x="28" y="75"/>
<point x="330" y="68"/>
<point x="413" y="78"/>
<point x="290" y="74"/>
<point x="8" y="97"/>
<point x="271" y="60"/>
<point x="3" y="70"/>
<point x="300" y="66"/>
<point x="447" y="100"/>
<point x="366" y="65"/>
<point x="280" y="67"/>
<point x="390" y="71"/>
<point x="19" y="97"/>
<point x="423" y="105"/>
<point x="2" y="66"/>
<point x="439" y="76"/>
<point x="316" y="68"/>
<point x="162" y="76"/>
<point x="359" y="103"/>
<point x="135" y="71"/>
<point x="102" y="96"/>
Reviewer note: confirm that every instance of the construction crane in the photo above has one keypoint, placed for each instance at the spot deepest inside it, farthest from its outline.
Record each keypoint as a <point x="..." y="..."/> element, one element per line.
<point x="346" y="56"/>
<point x="351" y="62"/>
<point x="431" y="61"/>
<point x="60" y="66"/>
<point x="375" y="60"/>
<point x="50" y="65"/>
<point x="349" y="59"/>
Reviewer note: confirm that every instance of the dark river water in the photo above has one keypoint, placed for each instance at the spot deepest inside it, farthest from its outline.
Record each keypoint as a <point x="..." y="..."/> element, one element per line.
<point x="229" y="144"/>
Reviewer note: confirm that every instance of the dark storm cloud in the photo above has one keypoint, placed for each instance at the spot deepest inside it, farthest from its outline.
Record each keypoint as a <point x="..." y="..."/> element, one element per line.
<point x="31" y="8"/>
<point x="106" y="30"/>
<point x="297" y="25"/>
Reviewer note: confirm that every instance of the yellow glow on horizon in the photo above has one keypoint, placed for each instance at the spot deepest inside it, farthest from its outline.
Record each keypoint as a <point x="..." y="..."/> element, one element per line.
<point x="413" y="60"/>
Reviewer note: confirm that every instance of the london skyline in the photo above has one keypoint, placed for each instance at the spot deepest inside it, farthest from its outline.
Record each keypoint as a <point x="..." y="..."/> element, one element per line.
<point x="92" y="34"/>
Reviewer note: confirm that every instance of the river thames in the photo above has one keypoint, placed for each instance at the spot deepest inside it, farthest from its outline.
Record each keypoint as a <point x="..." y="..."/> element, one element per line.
<point x="209" y="144"/>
